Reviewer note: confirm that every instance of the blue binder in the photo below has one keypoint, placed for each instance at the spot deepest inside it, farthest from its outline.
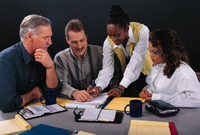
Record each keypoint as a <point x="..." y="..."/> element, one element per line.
<point x="42" y="129"/>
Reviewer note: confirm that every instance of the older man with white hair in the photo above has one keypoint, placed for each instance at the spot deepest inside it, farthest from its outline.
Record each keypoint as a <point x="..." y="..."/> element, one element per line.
<point x="26" y="68"/>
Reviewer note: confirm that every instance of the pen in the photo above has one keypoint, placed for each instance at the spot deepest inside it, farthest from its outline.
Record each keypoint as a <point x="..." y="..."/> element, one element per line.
<point x="93" y="92"/>
<point x="23" y="113"/>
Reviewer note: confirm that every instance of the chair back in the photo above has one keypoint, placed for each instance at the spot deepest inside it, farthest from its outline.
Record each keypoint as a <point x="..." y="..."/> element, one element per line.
<point x="198" y="75"/>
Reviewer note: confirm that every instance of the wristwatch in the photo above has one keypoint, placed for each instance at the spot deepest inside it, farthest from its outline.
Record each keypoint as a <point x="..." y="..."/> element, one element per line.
<point x="120" y="91"/>
<point x="100" y="89"/>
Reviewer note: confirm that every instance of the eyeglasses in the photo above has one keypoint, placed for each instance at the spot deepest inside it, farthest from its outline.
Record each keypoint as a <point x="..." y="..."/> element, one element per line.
<point x="153" y="52"/>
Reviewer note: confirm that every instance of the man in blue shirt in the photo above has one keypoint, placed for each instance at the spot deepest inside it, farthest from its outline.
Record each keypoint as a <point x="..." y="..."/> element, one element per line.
<point x="26" y="68"/>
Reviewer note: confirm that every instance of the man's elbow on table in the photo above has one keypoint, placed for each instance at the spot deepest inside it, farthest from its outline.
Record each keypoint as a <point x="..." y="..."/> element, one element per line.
<point x="10" y="105"/>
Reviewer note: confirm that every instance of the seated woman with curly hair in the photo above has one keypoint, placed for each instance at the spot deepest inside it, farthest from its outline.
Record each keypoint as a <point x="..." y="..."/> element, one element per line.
<point x="171" y="78"/>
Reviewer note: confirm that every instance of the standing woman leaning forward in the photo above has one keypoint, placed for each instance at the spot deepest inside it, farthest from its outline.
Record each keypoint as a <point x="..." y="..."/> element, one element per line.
<point x="124" y="53"/>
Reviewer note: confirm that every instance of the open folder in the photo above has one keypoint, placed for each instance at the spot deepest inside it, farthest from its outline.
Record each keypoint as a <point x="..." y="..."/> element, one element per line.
<point x="93" y="114"/>
<point x="18" y="124"/>
<point x="98" y="116"/>
<point x="40" y="110"/>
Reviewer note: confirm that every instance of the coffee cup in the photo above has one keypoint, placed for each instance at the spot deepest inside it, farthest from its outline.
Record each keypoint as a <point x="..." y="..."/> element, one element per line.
<point x="135" y="108"/>
<point x="50" y="97"/>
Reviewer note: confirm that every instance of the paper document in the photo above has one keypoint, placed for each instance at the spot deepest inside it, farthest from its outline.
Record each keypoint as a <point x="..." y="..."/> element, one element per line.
<point x="18" y="124"/>
<point x="139" y="127"/>
<point x="95" y="103"/>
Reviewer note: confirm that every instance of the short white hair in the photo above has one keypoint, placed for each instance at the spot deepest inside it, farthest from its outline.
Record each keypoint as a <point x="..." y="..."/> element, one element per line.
<point x="31" y="23"/>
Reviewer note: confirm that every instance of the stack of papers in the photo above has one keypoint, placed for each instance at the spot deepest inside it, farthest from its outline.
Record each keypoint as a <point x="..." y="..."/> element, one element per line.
<point x="95" y="103"/>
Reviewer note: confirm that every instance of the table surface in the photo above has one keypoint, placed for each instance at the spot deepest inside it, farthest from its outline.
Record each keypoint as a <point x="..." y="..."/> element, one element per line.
<point x="187" y="122"/>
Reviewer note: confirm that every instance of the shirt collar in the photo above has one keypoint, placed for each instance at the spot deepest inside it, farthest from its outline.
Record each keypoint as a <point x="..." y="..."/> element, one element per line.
<point x="159" y="66"/>
<point x="131" y="36"/>
<point x="130" y="39"/>
<point x="26" y="56"/>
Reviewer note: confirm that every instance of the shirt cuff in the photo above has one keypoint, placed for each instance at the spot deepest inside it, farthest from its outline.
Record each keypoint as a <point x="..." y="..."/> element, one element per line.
<point x="71" y="92"/>
<point x="155" y="96"/>
<point x="148" y="90"/>
<point x="59" y="85"/>
<point x="125" y="82"/>
<point x="67" y="91"/>
<point x="101" y="84"/>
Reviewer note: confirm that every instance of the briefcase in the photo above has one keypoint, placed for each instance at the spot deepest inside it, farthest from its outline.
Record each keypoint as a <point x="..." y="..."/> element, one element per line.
<point x="161" y="108"/>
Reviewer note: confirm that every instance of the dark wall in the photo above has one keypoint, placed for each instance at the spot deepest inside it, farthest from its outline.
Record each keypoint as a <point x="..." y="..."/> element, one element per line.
<point x="180" y="15"/>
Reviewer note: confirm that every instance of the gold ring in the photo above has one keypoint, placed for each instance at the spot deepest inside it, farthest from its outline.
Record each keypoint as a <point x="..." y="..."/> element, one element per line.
<point x="39" y="57"/>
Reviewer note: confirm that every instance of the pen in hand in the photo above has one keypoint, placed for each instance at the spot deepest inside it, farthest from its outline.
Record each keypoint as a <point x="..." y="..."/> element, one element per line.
<point x="93" y="92"/>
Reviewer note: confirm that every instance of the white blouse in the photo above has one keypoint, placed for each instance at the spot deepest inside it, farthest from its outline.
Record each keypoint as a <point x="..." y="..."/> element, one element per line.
<point x="181" y="90"/>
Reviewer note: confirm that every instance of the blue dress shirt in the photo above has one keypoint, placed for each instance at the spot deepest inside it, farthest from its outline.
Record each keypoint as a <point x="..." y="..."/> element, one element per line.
<point x="19" y="74"/>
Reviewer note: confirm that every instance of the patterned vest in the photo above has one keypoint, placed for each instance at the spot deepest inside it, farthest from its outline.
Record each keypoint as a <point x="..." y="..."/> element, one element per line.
<point x="120" y="54"/>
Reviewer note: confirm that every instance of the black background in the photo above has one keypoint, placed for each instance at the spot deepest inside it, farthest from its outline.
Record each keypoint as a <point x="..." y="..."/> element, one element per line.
<point x="180" y="15"/>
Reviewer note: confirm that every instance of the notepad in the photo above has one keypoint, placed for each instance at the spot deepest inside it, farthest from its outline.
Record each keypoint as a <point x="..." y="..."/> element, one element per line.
<point x="118" y="103"/>
<point x="96" y="103"/>
<point x="93" y="114"/>
<point x="139" y="127"/>
<point x="36" y="111"/>
<point x="84" y="133"/>
<point x="18" y="124"/>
